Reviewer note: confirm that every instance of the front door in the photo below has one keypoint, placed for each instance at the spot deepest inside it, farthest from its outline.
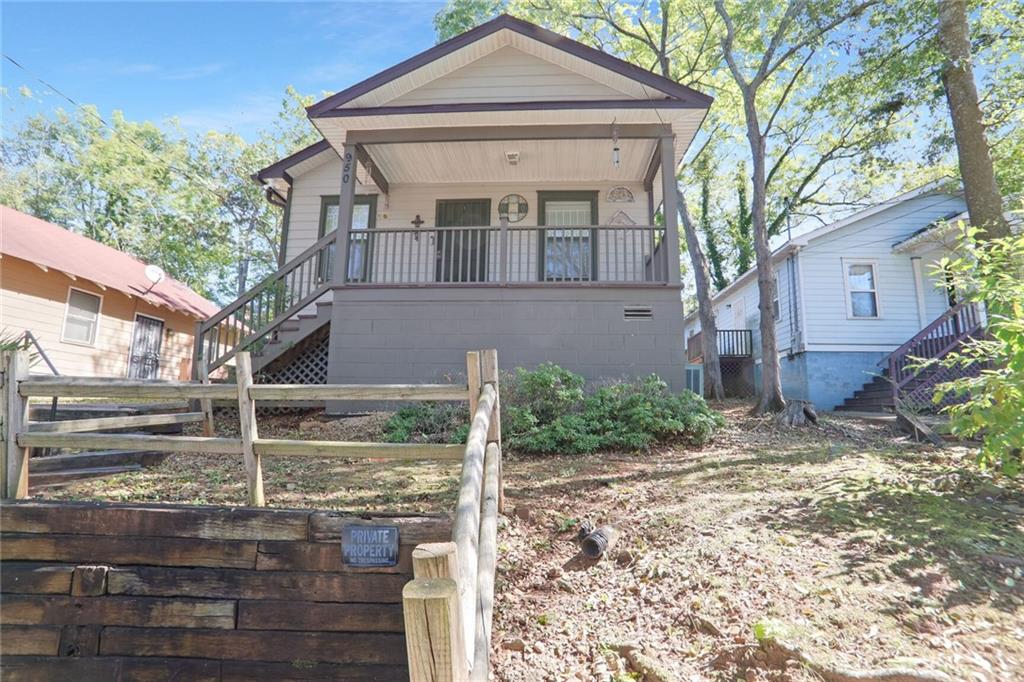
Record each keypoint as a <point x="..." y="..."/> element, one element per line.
<point x="144" y="361"/>
<point x="462" y="254"/>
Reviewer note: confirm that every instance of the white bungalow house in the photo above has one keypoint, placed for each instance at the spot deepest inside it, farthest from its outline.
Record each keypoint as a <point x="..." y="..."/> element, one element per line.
<point x="855" y="299"/>
<point x="497" y="190"/>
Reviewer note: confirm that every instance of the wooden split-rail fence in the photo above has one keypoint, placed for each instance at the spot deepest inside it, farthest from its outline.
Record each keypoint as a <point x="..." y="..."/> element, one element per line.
<point x="447" y="607"/>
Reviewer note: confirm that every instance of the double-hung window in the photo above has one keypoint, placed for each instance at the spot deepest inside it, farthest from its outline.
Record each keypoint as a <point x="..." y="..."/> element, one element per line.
<point x="81" y="317"/>
<point x="861" y="280"/>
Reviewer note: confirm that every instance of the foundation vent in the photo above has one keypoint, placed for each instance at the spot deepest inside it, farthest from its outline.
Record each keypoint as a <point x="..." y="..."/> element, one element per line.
<point x="638" y="312"/>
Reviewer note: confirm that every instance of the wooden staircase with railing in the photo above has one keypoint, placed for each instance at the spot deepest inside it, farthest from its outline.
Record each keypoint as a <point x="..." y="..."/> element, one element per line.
<point x="273" y="315"/>
<point x="902" y="381"/>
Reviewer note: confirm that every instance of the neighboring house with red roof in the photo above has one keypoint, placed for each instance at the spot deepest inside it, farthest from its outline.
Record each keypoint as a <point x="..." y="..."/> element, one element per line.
<point x="92" y="308"/>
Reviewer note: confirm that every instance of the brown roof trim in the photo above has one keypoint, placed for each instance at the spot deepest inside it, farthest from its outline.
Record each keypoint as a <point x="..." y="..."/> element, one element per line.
<point x="505" y="21"/>
<point x="461" y="107"/>
<point x="278" y="168"/>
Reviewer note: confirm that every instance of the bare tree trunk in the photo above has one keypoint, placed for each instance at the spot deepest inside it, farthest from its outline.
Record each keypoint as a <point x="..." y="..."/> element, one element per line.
<point x="984" y="203"/>
<point x="770" y="399"/>
<point x="709" y="332"/>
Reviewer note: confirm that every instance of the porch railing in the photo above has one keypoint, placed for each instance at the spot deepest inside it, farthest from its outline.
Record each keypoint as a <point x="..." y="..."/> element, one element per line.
<point x="943" y="335"/>
<point x="732" y="343"/>
<point x="447" y="256"/>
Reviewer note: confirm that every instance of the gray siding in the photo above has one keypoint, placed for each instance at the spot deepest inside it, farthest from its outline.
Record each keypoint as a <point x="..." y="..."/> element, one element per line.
<point x="422" y="335"/>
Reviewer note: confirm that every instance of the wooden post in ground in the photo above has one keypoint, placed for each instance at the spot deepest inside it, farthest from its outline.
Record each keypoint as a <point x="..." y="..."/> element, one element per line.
<point x="473" y="379"/>
<point x="433" y="631"/>
<point x="15" y="418"/>
<point x="247" y="421"/>
<point x="490" y="376"/>
<point x="435" y="560"/>
<point x="205" y="404"/>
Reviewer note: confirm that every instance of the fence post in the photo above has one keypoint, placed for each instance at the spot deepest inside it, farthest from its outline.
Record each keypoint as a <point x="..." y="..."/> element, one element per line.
<point x="247" y="422"/>
<point x="206" y="404"/>
<point x="15" y="417"/>
<point x="435" y="560"/>
<point x="490" y="376"/>
<point x="473" y="379"/>
<point x="434" y="637"/>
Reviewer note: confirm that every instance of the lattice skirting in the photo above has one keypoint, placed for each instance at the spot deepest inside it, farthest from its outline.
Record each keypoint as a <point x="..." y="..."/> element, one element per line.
<point x="919" y="398"/>
<point x="306" y="363"/>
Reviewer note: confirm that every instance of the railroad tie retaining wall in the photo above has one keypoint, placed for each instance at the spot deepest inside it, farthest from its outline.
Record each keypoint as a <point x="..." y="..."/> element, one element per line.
<point x="97" y="591"/>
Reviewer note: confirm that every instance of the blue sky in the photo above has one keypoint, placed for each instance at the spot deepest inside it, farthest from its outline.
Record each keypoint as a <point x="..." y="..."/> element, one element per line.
<point x="220" y="65"/>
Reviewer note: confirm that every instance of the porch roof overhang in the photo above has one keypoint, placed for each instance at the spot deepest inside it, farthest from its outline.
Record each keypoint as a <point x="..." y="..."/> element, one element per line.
<point x="412" y="101"/>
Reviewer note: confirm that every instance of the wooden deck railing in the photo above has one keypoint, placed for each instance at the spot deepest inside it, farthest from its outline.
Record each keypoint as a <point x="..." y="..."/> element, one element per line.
<point x="447" y="607"/>
<point x="507" y="254"/>
<point x="944" y="334"/>
<point x="732" y="343"/>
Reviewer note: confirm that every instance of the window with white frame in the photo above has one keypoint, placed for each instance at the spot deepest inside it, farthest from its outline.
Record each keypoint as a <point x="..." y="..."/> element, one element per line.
<point x="861" y="289"/>
<point x="81" y="317"/>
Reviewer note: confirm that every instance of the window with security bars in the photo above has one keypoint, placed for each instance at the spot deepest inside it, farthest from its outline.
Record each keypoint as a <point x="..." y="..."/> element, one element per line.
<point x="568" y="253"/>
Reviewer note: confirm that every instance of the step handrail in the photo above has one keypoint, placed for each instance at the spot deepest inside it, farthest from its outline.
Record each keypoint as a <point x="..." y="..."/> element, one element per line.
<point x="285" y="269"/>
<point x="967" y="312"/>
<point x="264" y="316"/>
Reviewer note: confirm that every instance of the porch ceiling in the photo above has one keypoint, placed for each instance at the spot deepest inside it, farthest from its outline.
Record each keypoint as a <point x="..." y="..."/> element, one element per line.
<point x="539" y="161"/>
<point x="684" y="122"/>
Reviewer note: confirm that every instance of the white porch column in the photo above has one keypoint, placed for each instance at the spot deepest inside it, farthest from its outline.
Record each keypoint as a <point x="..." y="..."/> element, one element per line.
<point x="346" y="201"/>
<point x="922" y="312"/>
<point x="670" y="199"/>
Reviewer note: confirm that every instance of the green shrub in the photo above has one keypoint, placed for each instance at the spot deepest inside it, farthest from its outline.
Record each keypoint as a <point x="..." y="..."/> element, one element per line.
<point x="428" y="423"/>
<point x="992" y="395"/>
<point x="545" y="410"/>
<point x="630" y="415"/>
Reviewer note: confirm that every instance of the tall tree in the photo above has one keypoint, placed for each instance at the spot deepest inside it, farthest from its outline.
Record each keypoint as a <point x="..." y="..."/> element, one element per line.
<point x="981" y="191"/>
<point x="715" y="256"/>
<point x="805" y="122"/>
<point x="741" y="235"/>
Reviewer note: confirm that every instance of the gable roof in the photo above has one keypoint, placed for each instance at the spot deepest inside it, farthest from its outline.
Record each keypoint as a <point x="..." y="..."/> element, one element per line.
<point x="674" y="93"/>
<point x="50" y="246"/>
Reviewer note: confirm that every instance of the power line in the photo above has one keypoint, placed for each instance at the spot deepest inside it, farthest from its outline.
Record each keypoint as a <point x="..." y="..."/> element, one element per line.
<point x="81" y="107"/>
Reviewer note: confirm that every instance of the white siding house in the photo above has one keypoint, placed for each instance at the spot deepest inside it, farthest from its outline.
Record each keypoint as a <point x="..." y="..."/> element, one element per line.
<point x="498" y="190"/>
<point x="849" y="294"/>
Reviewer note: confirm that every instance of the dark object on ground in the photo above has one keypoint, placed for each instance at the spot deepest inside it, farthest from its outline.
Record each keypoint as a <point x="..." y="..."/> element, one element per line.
<point x="600" y="541"/>
<point x="585" y="528"/>
<point x="797" y="413"/>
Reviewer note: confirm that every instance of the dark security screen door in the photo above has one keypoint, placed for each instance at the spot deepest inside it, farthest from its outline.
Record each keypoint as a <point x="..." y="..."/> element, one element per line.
<point x="462" y="254"/>
<point x="144" y="362"/>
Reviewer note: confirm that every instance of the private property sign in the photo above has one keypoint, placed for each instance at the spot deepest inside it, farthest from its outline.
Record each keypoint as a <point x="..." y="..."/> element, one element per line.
<point x="364" y="546"/>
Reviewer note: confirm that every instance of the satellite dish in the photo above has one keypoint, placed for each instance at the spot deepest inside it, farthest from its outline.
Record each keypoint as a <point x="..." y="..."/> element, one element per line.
<point x="154" y="274"/>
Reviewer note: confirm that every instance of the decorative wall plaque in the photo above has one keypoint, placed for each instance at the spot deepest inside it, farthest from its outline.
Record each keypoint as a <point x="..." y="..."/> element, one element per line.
<point x="364" y="545"/>
<point x="513" y="208"/>
<point x="621" y="218"/>
<point x="620" y="195"/>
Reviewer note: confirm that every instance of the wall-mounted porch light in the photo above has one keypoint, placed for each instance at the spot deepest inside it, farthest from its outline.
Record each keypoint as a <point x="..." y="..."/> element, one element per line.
<point x="512" y="158"/>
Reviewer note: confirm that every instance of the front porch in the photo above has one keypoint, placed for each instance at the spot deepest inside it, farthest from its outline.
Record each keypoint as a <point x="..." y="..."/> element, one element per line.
<point x="510" y="186"/>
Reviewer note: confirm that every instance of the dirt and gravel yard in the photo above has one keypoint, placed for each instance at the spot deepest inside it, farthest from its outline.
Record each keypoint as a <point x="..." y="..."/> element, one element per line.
<point x="850" y="543"/>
